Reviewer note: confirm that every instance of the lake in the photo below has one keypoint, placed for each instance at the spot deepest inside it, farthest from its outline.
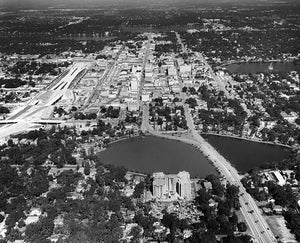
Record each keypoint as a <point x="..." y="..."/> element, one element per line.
<point x="152" y="154"/>
<point x="255" y="67"/>
<point x="87" y="38"/>
<point x="245" y="155"/>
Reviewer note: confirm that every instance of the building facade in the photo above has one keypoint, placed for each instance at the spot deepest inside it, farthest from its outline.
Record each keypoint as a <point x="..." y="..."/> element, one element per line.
<point x="172" y="186"/>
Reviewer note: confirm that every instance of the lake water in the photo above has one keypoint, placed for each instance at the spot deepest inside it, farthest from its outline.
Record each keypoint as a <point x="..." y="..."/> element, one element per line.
<point x="87" y="38"/>
<point x="246" y="155"/>
<point x="153" y="154"/>
<point x="255" y="67"/>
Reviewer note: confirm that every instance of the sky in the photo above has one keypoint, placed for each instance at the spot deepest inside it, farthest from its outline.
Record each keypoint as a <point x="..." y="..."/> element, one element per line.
<point x="48" y="3"/>
<point x="102" y="3"/>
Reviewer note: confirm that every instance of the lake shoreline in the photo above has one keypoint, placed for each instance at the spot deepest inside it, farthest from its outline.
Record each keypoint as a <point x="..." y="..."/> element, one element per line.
<point x="248" y="139"/>
<point x="193" y="142"/>
<point x="260" y="66"/>
<point x="240" y="166"/>
<point x="257" y="62"/>
<point x="150" y="153"/>
<point x="245" y="155"/>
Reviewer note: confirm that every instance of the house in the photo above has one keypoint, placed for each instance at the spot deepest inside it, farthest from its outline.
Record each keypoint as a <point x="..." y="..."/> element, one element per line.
<point x="267" y="211"/>
<point x="277" y="209"/>
<point x="135" y="177"/>
<point x="127" y="236"/>
<point x="212" y="203"/>
<point x="271" y="200"/>
<point x="34" y="216"/>
<point x="207" y="185"/>
<point x="291" y="117"/>
<point x="54" y="171"/>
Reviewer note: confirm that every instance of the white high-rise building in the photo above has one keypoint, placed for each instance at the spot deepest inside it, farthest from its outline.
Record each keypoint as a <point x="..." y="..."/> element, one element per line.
<point x="172" y="186"/>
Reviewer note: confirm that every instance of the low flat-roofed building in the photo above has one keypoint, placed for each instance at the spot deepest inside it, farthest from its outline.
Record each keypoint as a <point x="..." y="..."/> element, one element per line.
<point x="145" y="97"/>
<point x="133" y="106"/>
<point x="185" y="69"/>
<point x="172" y="71"/>
<point x="279" y="178"/>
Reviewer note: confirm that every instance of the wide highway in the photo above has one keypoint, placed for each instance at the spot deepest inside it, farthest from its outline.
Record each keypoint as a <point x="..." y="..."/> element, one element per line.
<point x="40" y="106"/>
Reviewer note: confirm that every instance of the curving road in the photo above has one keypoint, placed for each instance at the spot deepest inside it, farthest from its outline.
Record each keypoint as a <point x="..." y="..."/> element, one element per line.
<point x="257" y="224"/>
<point x="40" y="106"/>
<point x="259" y="228"/>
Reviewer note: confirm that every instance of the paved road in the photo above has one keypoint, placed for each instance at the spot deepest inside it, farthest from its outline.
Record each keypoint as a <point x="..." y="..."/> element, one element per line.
<point x="257" y="224"/>
<point x="145" y="120"/>
<point x="180" y="42"/>
<point x="212" y="74"/>
<point x="38" y="107"/>
<point x="68" y="78"/>
<point x="144" y="106"/>
<point x="104" y="80"/>
<point x="143" y="69"/>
